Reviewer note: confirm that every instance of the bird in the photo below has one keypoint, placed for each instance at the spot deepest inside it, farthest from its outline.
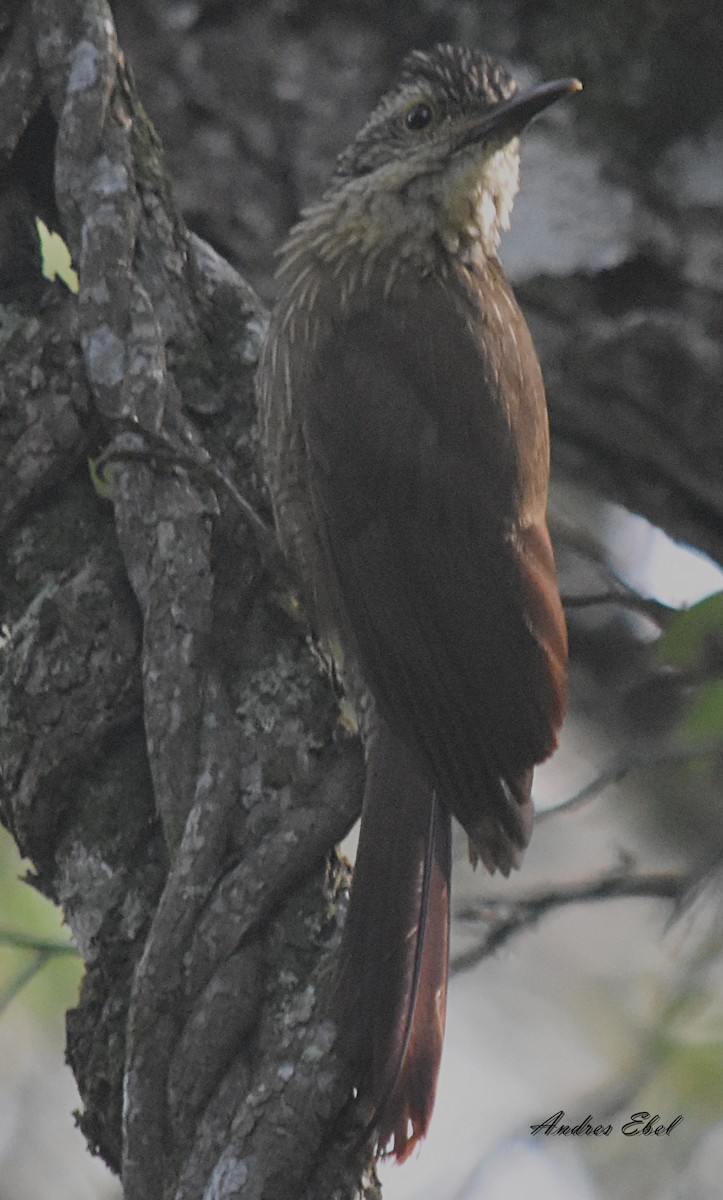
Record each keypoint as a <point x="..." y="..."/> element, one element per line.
<point x="404" y="434"/>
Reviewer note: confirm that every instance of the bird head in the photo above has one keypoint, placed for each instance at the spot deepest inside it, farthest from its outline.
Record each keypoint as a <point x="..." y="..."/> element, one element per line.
<point x="445" y="138"/>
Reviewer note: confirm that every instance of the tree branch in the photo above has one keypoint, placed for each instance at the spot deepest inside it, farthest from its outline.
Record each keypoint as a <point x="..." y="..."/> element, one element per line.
<point x="148" y="670"/>
<point x="502" y="919"/>
<point x="620" y="768"/>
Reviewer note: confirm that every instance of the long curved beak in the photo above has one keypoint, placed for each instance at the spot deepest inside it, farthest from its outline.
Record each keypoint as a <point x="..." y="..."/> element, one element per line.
<point x="510" y="117"/>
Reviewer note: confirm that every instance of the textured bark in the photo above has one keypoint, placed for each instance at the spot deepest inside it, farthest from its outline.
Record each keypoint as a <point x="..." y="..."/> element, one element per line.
<point x="171" y="757"/>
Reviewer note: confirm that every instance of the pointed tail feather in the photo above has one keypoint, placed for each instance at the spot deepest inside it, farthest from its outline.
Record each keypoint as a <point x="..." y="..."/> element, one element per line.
<point x="390" y="998"/>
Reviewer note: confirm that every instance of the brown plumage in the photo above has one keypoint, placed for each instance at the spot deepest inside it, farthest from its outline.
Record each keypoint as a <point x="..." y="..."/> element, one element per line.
<point x="405" y="433"/>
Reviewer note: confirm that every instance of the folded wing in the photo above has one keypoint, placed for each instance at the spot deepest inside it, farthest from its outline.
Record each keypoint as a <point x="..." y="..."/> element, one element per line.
<point x="442" y="561"/>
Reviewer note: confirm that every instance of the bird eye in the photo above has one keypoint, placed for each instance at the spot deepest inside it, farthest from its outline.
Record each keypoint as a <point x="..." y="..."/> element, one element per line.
<point x="419" y="116"/>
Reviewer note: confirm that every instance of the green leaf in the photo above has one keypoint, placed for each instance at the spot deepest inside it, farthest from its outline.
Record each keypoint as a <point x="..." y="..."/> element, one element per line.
<point x="55" y="260"/>
<point x="693" y="634"/>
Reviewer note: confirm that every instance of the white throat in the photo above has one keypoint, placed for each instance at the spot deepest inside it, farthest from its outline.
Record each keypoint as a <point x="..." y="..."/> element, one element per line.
<point x="480" y="198"/>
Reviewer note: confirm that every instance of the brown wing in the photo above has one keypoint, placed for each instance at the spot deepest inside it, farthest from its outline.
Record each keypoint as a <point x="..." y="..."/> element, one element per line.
<point x="454" y="612"/>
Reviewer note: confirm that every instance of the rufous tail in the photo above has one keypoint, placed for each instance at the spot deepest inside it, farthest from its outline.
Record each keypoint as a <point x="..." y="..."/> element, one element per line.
<point x="391" y="994"/>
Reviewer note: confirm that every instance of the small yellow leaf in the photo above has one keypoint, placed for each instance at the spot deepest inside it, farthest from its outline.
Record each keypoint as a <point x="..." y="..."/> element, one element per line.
<point x="55" y="260"/>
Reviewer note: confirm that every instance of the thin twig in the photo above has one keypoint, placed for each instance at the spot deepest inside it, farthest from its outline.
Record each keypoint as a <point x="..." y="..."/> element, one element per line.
<point x="503" y="918"/>
<point x="25" y="941"/>
<point x="657" y="612"/>
<point x="618" y="770"/>
<point x="619" y="592"/>
<point x="21" y="980"/>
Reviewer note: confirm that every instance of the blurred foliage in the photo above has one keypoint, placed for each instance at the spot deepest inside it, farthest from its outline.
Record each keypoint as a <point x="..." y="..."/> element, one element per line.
<point x="24" y="912"/>
<point x="691" y="1072"/>
<point x="704" y="720"/>
<point x="693" y="635"/>
<point x="693" y="646"/>
<point x="689" y="1043"/>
